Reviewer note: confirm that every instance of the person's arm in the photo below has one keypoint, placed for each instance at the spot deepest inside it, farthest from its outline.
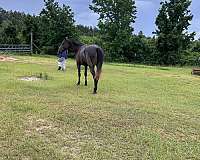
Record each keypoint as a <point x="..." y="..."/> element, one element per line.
<point x="58" y="54"/>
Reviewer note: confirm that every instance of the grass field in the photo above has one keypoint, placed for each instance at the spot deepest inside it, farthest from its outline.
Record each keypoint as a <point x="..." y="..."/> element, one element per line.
<point x="140" y="112"/>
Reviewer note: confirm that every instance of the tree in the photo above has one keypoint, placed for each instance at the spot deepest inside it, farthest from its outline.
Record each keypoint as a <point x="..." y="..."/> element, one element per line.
<point x="172" y="25"/>
<point x="31" y="25"/>
<point x="141" y="35"/>
<point x="196" y="46"/>
<point x="8" y="33"/>
<point x="86" y="30"/>
<point x="11" y="26"/>
<point x="1" y="15"/>
<point x="115" y="24"/>
<point x="56" y="23"/>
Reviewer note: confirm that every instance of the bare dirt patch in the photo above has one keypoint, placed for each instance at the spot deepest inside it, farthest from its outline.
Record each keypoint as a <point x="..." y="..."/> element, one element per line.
<point x="35" y="77"/>
<point x="7" y="59"/>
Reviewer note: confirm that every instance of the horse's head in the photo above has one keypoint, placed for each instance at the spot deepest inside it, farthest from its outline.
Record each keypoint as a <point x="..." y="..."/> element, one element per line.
<point x="65" y="45"/>
<point x="69" y="44"/>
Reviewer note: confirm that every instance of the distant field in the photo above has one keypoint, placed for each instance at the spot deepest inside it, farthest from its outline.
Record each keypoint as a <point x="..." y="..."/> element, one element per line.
<point x="140" y="112"/>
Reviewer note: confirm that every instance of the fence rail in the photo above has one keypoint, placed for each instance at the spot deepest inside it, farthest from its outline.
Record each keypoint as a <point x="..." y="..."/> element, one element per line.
<point x="15" y="47"/>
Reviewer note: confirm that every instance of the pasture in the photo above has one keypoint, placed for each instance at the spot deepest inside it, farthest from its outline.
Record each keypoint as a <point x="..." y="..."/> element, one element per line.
<point x="140" y="112"/>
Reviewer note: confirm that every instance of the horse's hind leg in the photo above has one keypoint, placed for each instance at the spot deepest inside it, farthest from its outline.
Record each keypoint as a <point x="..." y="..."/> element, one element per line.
<point x="79" y="74"/>
<point x="95" y="80"/>
<point x="85" y="75"/>
<point x="92" y="71"/>
<point x="95" y="86"/>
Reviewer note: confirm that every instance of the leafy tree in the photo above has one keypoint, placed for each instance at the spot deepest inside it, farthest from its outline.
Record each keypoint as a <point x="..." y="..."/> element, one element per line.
<point x="173" y="22"/>
<point x="142" y="49"/>
<point x="8" y="33"/>
<point x="56" y="23"/>
<point x="196" y="46"/>
<point x="11" y="26"/>
<point x="1" y="15"/>
<point x="115" y="24"/>
<point x="31" y="24"/>
<point x="141" y="35"/>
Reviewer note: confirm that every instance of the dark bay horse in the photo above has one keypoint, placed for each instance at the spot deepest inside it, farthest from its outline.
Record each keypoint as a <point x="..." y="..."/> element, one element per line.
<point x="86" y="55"/>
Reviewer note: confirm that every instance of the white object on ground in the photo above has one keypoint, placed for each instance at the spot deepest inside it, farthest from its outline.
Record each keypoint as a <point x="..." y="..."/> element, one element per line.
<point x="30" y="79"/>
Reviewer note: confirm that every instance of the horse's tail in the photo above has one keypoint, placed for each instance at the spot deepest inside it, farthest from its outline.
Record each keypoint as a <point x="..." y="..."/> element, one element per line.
<point x="100" y="58"/>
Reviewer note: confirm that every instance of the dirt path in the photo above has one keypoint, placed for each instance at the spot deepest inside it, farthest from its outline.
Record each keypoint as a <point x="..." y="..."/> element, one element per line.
<point x="7" y="59"/>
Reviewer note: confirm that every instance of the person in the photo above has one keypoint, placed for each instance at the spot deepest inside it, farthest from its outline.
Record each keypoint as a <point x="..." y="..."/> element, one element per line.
<point x="62" y="57"/>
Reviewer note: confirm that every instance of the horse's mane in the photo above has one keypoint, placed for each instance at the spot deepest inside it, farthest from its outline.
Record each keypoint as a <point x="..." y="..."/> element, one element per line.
<point x="76" y="42"/>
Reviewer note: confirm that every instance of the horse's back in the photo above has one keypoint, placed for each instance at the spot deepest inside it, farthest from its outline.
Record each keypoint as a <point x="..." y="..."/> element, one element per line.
<point x="89" y="54"/>
<point x="93" y="49"/>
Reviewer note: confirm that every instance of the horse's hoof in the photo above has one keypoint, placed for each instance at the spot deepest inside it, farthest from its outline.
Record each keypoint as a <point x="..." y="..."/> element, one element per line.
<point x="94" y="92"/>
<point x="85" y="84"/>
<point x="78" y="84"/>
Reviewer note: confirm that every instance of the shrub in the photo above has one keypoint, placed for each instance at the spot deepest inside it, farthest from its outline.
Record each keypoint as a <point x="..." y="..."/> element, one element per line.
<point x="190" y="58"/>
<point x="50" y="50"/>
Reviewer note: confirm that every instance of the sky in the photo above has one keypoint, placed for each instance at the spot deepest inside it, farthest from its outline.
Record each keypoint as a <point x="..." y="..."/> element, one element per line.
<point x="147" y="10"/>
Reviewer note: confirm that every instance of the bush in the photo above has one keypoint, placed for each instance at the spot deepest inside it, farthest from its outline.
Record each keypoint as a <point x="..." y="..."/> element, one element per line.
<point x="89" y="39"/>
<point x="190" y="58"/>
<point x="50" y="50"/>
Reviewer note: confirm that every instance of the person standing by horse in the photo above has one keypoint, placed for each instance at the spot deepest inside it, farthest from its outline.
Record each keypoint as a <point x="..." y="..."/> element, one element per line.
<point x="62" y="57"/>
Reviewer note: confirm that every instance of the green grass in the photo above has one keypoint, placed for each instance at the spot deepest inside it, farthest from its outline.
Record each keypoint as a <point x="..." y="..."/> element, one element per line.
<point x="140" y="112"/>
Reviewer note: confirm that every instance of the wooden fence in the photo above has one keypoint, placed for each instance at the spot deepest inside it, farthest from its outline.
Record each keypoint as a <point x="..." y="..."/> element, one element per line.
<point x="18" y="47"/>
<point x="15" y="48"/>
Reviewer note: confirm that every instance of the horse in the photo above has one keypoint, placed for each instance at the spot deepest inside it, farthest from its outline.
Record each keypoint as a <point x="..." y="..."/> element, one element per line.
<point x="86" y="55"/>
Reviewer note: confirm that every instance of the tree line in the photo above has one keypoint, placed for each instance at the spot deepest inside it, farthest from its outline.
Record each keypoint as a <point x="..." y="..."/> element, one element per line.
<point x="171" y="43"/>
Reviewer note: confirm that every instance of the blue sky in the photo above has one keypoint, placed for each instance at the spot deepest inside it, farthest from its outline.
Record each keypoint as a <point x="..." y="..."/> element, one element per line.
<point x="147" y="11"/>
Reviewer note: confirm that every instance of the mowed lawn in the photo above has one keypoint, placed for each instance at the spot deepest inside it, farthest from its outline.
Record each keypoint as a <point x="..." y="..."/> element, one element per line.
<point x="140" y="112"/>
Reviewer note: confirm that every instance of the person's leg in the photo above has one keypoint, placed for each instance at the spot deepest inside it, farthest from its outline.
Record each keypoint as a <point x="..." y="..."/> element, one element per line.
<point x="64" y="65"/>
<point x="59" y="65"/>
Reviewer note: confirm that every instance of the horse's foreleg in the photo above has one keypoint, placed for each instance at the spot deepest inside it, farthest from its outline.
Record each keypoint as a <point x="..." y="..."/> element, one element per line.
<point x="79" y="74"/>
<point x="85" y="75"/>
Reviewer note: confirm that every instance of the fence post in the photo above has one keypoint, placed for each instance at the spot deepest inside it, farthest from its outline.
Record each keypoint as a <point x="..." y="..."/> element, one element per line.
<point x="31" y="42"/>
